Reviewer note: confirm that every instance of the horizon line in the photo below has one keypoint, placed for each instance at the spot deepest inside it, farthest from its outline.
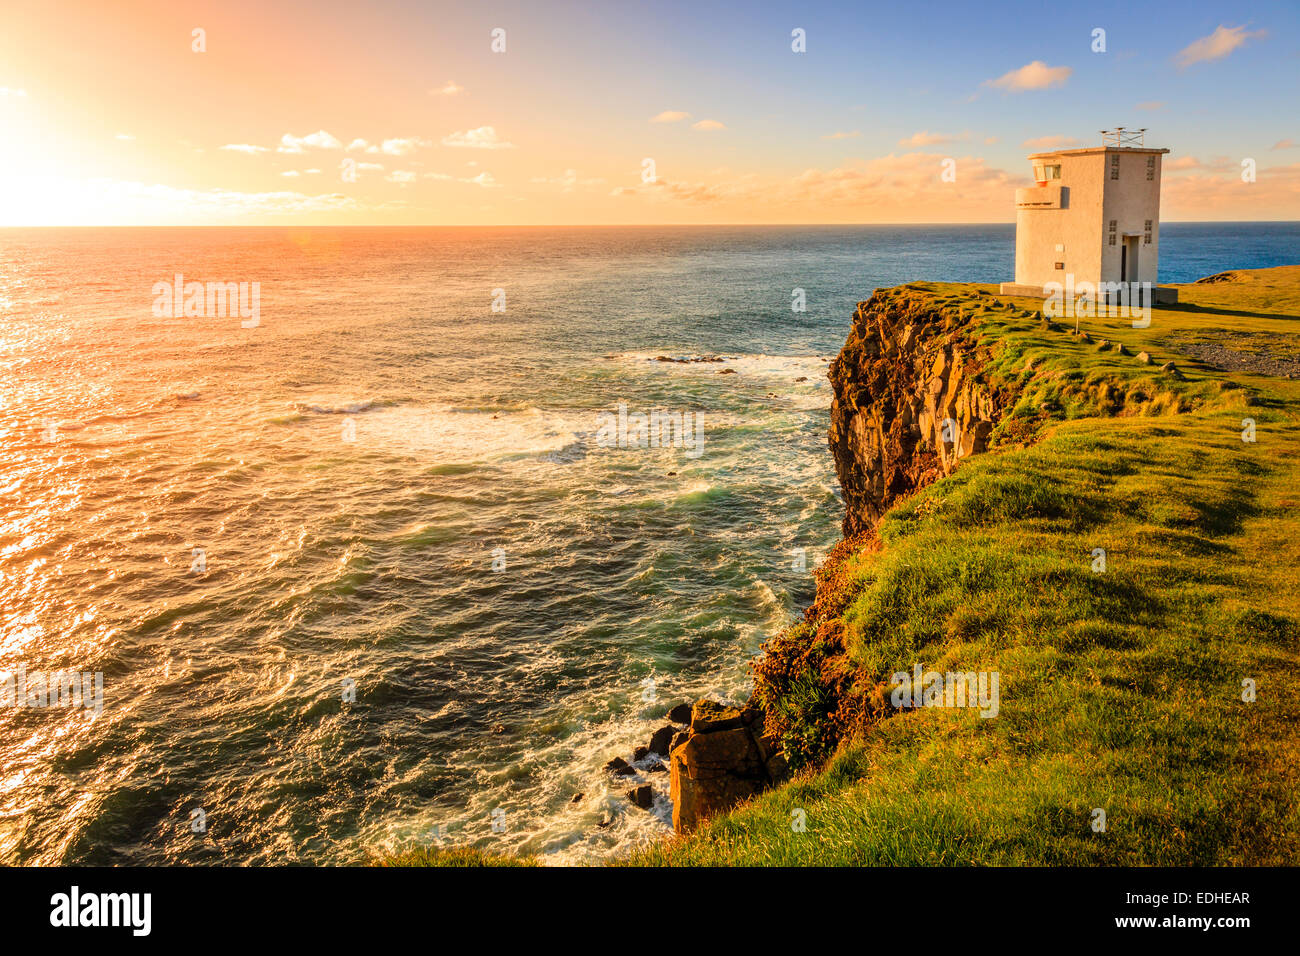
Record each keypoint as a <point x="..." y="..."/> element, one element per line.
<point x="587" y="225"/>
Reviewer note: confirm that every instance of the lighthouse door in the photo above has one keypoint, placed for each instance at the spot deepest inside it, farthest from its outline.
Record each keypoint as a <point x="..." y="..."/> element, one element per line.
<point x="1128" y="259"/>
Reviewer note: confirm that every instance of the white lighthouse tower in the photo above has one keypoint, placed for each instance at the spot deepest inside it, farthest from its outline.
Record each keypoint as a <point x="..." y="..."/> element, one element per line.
<point x="1092" y="216"/>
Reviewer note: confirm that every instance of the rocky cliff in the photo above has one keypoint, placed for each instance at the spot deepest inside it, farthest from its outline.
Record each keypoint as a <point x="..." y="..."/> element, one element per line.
<point x="912" y="399"/>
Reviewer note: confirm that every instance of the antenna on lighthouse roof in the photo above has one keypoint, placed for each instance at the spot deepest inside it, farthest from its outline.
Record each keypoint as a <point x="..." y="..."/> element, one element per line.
<point x="1120" y="137"/>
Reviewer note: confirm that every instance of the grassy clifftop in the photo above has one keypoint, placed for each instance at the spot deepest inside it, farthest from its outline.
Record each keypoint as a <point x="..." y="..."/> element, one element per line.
<point x="1120" y="690"/>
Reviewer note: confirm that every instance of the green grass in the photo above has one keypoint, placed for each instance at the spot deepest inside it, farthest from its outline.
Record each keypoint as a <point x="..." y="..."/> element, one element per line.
<point x="1119" y="690"/>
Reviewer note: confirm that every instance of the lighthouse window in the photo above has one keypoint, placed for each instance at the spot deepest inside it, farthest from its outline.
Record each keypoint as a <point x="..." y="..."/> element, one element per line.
<point x="1051" y="172"/>
<point x="1114" y="166"/>
<point x="1146" y="233"/>
<point x="1113" y="224"/>
<point x="1151" y="168"/>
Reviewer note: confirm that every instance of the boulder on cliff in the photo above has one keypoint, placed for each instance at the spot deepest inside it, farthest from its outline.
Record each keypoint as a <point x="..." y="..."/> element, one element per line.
<point x="724" y="759"/>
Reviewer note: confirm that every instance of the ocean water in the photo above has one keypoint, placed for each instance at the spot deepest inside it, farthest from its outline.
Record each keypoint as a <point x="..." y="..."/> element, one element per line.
<point x="388" y="490"/>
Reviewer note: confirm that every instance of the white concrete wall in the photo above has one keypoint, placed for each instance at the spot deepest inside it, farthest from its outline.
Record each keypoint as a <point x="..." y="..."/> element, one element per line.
<point x="1130" y="201"/>
<point x="1090" y="199"/>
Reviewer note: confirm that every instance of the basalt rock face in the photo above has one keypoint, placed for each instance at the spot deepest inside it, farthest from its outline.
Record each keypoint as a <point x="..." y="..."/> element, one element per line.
<point x="910" y="401"/>
<point x="913" y="397"/>
<point x="723" y="759"/>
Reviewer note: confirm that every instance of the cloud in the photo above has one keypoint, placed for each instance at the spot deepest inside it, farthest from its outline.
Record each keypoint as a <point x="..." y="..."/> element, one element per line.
<point x="903" y="182"/>
<point x="291" y="172"/>
<point x="990" y="140"/>
<point x="400" y="147"/>
<point x="485" y="137"/>
<point x="484" y="179"/>
<point x="1051" y="142"/>
<point x="1151" y="105"/>
<point x="707" y="125"/>
<point x="925" y="138"/>
<point x="1283" y="144"/>
<point x="211" y="205"/>
<point x="1032" y="76"/>
<point x="842" y="135"/>
<point x="244" y="148"/>
<point x="669" y="116"/>
<point x="450" y="88"/>
<point x="1276" y="194"/>
<point x="299" y="144"/>
<point x="401" y="176"/>
<point x="1226" y="165"/>
<point x="747" y="189"/>
<point x="1215" y="46"/>
<point x="568" y="181"/>
<point x="124" y="137"/>
<point x="890" y="189"/>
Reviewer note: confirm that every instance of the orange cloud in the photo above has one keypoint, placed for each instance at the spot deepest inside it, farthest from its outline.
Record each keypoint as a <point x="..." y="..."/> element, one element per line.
<point x="484" y="137"/>
<point x="1032" y="76"/>
<point x="1050" y="142"/>
<point x="1275" y="194"/>
<point x="926" y="138"/>
<point x="1215" y="46"/>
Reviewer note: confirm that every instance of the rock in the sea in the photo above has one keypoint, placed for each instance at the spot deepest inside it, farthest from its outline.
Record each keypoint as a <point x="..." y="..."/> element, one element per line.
<point x="681" y="714"/>
<point x="642" y="796"/>
<point x="619" y="767"/>
<point x="640" y="753"/>
<point x="725" y="758"/>
<point x="692" y="358"/>
<point x="662" y="739"/>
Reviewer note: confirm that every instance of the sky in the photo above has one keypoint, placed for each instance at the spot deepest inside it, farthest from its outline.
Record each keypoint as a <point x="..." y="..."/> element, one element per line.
<point x="389" y="112"/>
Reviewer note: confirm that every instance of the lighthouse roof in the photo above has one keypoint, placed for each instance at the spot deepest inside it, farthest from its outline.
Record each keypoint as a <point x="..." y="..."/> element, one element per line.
<point x="1096" y="149"/>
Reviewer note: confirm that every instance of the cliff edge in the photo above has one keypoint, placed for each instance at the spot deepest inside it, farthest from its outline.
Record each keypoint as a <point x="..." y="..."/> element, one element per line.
<point x="1098" y="524"/>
